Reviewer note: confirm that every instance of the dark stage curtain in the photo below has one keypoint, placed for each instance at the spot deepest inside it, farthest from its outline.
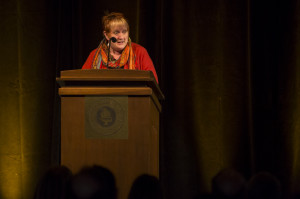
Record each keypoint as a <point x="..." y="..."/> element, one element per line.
<point x="230" y="72"/>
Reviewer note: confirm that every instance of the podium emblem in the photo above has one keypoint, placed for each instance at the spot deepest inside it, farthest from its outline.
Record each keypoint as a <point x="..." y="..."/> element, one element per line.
<point x="106" y="117"/>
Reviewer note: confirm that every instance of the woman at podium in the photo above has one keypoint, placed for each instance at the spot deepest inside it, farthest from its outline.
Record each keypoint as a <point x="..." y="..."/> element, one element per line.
<point x="116" y="50"/>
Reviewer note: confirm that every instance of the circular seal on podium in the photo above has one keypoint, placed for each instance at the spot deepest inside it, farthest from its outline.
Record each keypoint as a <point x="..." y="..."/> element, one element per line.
<point x="106" y="116"/>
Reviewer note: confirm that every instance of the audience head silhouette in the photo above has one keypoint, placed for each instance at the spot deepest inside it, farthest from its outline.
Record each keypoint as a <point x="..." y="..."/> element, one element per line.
<point x="93" y="182"/>
<point x="264" y="185"/>
<point x="228" y="184"/>
<point x="54" y="183"/>
<point x="146" y="187"/>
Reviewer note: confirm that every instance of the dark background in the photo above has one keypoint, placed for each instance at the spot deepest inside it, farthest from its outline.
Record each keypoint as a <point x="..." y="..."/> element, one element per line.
<point x="229" y="70"/>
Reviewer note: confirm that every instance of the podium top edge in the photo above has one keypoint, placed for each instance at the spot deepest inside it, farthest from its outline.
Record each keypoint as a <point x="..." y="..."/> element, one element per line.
<point x="109" y="75"/>
<point x="106" y="74"/>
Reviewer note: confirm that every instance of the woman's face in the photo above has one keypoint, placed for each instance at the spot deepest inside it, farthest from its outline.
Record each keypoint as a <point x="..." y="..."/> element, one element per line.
<point x="121" y="34"/>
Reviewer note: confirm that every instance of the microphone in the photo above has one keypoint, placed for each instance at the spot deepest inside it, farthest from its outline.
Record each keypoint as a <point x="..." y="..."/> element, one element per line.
<point x="114" y="40"/>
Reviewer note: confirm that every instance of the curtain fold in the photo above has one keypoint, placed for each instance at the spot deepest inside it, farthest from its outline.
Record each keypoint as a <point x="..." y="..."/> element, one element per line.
<point x="207" y="91"/>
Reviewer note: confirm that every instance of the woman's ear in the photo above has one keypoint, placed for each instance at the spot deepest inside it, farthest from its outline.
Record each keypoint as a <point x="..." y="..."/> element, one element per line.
<point x="105" y="34"/>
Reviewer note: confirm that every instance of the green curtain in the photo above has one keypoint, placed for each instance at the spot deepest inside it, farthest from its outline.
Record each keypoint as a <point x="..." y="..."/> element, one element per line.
<point x="27" y="78"/>
<point x="229" y="70"/>
<point x="208" y="95"/>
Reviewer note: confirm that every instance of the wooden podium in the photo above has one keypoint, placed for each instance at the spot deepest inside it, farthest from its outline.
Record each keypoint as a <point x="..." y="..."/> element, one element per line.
<point x="111" y="118"/>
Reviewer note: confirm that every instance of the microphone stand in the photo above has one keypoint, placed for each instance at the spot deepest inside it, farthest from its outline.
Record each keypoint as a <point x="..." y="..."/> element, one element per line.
<point x="113" y="39"/>
<point x="108" y="54"/>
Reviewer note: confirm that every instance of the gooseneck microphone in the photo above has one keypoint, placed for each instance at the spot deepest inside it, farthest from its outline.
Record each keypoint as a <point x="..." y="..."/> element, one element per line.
<point x="112" y="39"/>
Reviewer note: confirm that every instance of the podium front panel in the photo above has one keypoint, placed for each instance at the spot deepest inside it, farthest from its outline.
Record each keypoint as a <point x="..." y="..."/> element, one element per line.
<point x="126" y="158"/>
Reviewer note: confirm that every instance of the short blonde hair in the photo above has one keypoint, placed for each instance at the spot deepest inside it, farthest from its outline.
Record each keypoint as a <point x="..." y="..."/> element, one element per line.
<point x="113" y="19"/>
